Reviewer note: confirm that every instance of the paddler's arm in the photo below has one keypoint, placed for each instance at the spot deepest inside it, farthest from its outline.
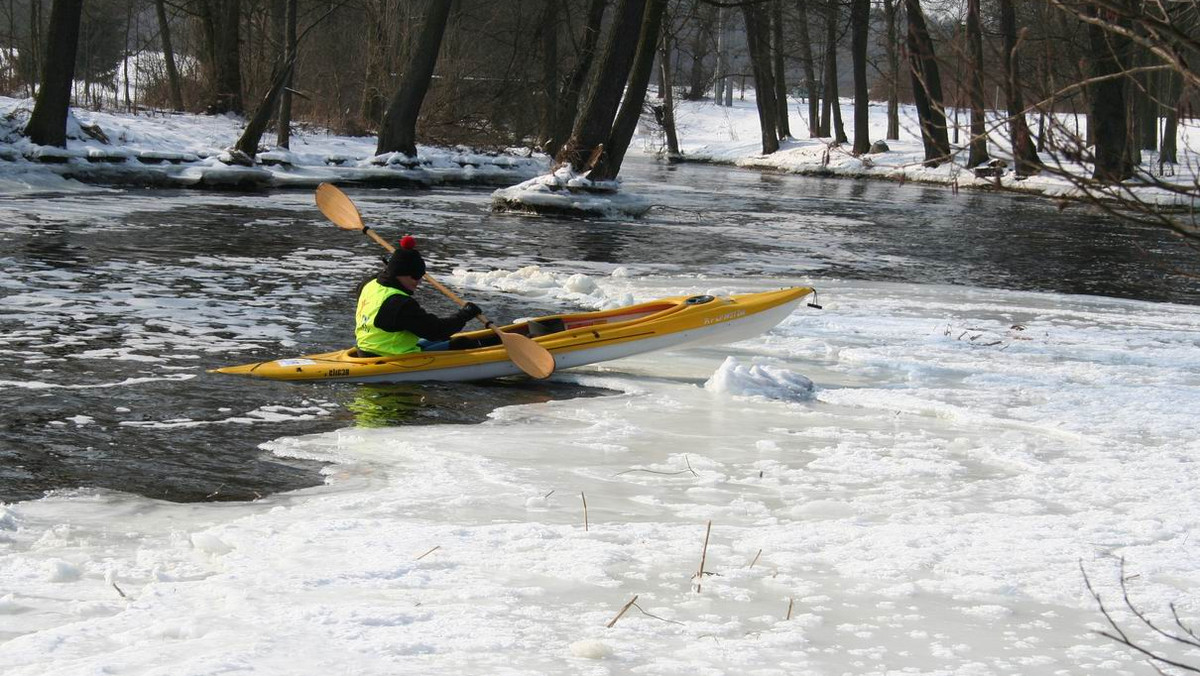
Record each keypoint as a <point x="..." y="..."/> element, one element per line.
<point x="399" y="313"/>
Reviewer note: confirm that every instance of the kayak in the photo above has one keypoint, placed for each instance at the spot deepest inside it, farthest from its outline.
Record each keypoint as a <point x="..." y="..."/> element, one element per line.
<point x="573" y="340"/>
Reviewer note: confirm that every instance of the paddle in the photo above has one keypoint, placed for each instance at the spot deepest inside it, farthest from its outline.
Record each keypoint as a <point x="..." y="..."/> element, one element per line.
<point x="526" y="354"/>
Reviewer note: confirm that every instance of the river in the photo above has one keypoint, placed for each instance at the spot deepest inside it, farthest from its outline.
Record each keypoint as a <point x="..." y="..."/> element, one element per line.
<point x="114" y="302"/>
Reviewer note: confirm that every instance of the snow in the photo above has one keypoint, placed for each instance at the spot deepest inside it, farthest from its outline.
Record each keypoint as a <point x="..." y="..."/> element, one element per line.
<point x="905" y="482"/>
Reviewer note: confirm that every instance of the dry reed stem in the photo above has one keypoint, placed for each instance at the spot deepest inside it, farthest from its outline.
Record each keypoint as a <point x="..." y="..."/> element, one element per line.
<point x="755" y="559"/>
<point x="703" y="556"/>
<point x="623" y="609"/>
<point x="435" y="548"/>
<point x="791" y="603"/>
<point x="585" y="514"/>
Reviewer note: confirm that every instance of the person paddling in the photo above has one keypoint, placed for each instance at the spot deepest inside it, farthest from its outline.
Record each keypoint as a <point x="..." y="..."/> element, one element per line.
<point x="390" y="321"/>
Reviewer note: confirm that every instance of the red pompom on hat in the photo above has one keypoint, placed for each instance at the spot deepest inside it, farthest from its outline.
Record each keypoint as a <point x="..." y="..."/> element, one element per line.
<point x="408" y="242"/>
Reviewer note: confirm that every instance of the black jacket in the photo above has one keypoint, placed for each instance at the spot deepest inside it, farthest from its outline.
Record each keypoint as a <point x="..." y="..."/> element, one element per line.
<point x="404" y="313"/>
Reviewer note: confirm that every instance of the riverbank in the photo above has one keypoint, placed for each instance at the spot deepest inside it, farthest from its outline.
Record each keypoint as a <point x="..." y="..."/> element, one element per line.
<point x="181" y="150"/>
<point x="730" y="135"/>
<point x="184" y="150"/>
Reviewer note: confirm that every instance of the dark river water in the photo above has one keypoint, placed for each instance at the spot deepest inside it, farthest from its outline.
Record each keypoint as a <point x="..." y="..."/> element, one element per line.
<point x="112" y="303"/>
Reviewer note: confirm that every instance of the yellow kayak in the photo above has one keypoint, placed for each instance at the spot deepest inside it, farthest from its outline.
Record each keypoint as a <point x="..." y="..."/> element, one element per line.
<point x="573" y="340"/>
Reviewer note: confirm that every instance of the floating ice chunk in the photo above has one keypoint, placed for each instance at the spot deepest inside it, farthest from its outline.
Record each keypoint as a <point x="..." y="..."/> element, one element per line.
<point x="207" y="542"/>
<point x="590" y="649"/>
<point x="58" y="570"/>
<point x="9" y="605"/>
<point x="580" y="284"/>
<point x="759" y="380"/>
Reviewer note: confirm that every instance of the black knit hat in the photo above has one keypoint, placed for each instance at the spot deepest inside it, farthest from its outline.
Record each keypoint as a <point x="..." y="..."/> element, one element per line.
<point x="406" y="260"/>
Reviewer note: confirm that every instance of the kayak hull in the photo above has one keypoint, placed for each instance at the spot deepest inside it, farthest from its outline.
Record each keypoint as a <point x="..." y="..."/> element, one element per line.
<point x="584" y="338"/>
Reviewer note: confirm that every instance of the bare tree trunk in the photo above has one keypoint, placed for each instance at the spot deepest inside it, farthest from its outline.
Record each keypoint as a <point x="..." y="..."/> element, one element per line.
<point x="719" y="79"/>
<point x="810" y="76"/>
<point x="927" y="86"/>
<point x="833" y="99"/>
<point x="758" y="44"/>
<point x="1173" y="96"/>
<point x="549" y="103"/>
<point x="1024" y="151"/>
<point x="978" y="154"/>
<point x="701" y="41"/>
<point x="398" y="132"/>
<point x="221" y="21"/>
<point x="48" y="123"/>
<point x="779" y="71"/>
<point x="374" y="101"/>
<point x="595" y="121"/>
<point x="283" y="122"/>
<point x="252" y="134"/>
<point x="1109" y="57"/>
<point x="860" y="20"/>
<point x="829" y="76"/>
<point x="164" y="32"/>
<point x="569" y="98"/>
<point x="893" y="60"/>
<point x="668" y="105"/>
<point x="609" y="164"/>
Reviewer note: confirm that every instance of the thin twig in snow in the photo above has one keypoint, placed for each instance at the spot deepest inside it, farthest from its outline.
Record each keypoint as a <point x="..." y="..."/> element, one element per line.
<point x="703" y="556"/>
<point x="623" y="609"/>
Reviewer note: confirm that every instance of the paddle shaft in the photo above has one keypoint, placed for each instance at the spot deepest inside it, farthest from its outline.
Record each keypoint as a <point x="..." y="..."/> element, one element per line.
<point x="436" y="284"/>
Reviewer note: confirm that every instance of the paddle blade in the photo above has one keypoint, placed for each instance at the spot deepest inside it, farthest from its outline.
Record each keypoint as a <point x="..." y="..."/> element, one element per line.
<point x="338" y="208"/>
<point x="527" y="355"/>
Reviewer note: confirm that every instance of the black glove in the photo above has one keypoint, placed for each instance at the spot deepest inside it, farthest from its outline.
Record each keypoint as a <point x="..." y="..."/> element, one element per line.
<point x="470" y="311"/>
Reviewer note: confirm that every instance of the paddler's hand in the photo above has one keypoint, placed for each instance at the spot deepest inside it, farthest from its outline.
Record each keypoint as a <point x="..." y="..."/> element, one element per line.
<point x="469" y="311"/>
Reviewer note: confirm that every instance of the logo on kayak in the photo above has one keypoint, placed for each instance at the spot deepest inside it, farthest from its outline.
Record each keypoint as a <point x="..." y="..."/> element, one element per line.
<point x="725" y="317"/>
<point x="295" y="362"/>
<point x="334" y="373"/>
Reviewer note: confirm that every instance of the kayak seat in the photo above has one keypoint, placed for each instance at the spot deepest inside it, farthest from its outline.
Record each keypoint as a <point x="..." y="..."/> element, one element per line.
<point x="542" y="327"/>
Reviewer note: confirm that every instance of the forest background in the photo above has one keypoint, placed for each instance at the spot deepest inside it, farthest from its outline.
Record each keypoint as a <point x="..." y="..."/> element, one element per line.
<point x="1093" y="90"/>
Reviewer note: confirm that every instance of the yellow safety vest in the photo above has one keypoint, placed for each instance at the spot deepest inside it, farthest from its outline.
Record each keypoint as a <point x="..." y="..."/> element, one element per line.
<point x="376" y="340"/>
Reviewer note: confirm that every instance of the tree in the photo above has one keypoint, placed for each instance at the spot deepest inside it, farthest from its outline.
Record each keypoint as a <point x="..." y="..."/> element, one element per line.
<point x="220" y="21"/>
<point x="548" y="31"/>
<point x="759" y="44"/>
<point x="283" y="122"/>
<point x="779" y="71"/>
<point x="893" y="60"/>
<point x="927" y="86"/>
<point x="595" y="120"/>
<point x="860" y="19"/>
<point x="568" y="99"/>
<point x="164" y="33"/>
<point x="48" y="123"/>
<point x="1110" y="55"/>
<point x="978" y="153"/>
<point x="668" y="104"/>
<point x="810" y="76"/>
<point x="398" y="132"/>
<point x="831" y="107"/>
<point x="1024" y="152"/>
<point x="609" y="163"/>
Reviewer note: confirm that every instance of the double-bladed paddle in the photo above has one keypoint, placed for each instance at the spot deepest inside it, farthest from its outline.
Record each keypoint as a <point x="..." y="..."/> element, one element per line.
<point x="526" y="354"/>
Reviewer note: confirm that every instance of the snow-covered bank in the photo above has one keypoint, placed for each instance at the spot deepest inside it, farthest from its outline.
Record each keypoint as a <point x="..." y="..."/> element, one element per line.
<point x="711" y="133"/>
<point x="183" y="150"/>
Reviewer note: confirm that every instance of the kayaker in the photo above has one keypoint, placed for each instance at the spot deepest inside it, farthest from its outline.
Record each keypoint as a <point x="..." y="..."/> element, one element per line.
<point x="390" y="321"/>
